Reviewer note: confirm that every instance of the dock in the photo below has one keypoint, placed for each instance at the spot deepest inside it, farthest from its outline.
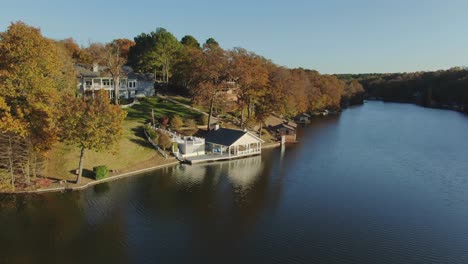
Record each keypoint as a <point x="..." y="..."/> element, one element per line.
<point x="217" y="157"/>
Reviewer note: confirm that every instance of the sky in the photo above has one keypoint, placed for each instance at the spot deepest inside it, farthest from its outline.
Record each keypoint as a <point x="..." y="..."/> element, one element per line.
<point x="360" y="36"/>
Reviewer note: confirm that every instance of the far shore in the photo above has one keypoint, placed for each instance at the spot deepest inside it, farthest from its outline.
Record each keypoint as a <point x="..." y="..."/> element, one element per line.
<point x="87" y="182"/>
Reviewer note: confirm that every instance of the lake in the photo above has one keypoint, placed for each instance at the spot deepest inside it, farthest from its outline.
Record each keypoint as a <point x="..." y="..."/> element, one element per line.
<point x="381" y="183"/>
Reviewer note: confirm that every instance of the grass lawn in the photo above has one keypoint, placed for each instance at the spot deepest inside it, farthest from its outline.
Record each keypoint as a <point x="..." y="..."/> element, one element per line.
<point x="142" y="112"/>
<point x="188" y="101"/>
<point x="133" y="149"/>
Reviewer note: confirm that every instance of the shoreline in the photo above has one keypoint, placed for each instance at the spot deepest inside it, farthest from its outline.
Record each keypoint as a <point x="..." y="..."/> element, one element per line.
<point x="92" y="183"/>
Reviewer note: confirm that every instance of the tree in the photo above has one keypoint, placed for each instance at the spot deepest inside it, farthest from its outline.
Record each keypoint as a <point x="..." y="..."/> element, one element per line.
<point x="114" y="62"/>
<point x="124" y="46"/>
<point x="157" y="51"/>
<point x="353" y="92"/>
<point x="72" y="48"/>
<point x="190" y="41"/>
<point x="177" y="122"/>
<point x="91" y="124"/>
<point x="209" y="73"/>
<point x="164" y="141"/>
<point x="251" y="74"/>
<point x="96" y="52"/>
<point x="165" y="51"/>
<point x="211" y="41"/>
<point x="34" y="73"/>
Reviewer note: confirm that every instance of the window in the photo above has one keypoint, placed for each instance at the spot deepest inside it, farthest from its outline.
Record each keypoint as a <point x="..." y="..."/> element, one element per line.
<point x="106" y="82"/>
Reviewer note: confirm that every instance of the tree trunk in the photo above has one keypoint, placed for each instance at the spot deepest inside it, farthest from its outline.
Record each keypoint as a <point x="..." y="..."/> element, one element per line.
<point x="27" y="169"/>
<point x="211" y="112"/>
<point x="167" y="73"/>
<point x="116" y="89"/>
<point x="249" y="112"/>
<point x="10" y="159"/>
<point x="260" y="131"/>
<point x="34" y="169"/>
<point x="80" y="168"/>
<point x="242" y="117"/>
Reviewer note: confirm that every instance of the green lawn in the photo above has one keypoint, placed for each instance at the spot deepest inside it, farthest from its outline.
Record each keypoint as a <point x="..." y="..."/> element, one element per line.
<point x="133" y="149"/>
<point x="181" y="99"/>
<point x="162" y="108"/>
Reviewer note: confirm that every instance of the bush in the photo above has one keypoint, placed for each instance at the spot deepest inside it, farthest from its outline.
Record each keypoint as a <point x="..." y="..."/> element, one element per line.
<point x="100" y="172"/>
<point x="190" y="123"/>
<point x="151" y="133"/>
<point x="164" y="121"/>
<point x="176" y="122"/>
<point x="164" y="141"/>
<point x="203" y="119"/>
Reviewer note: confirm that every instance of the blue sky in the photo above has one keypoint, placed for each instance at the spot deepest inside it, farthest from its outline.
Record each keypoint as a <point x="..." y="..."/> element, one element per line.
<point x="329" y="36"/>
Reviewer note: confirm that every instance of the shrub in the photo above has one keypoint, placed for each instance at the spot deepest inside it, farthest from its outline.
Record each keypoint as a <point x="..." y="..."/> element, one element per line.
<point x="164" y="121"/>
<point x="151" y="133"/>
<point x="177" y="122"/>
<point x="190" y="123"/>
<point x="100" y="172"/>
<point x="203" y="119"/>
<point x="164" y="141"/>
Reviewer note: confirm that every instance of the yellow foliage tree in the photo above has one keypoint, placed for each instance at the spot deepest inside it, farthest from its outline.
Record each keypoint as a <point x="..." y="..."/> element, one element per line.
<point x="34" y="72"/>
<point x="93" y="124"/>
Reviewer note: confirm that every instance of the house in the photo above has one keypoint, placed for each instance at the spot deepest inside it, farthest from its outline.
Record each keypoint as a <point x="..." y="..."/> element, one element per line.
<point x="230" y="91"/>
<point x="281" y="127"/>
<point x="131" y="84"/>
<point x="232" y="142"/>
<point x="303" y="118"/>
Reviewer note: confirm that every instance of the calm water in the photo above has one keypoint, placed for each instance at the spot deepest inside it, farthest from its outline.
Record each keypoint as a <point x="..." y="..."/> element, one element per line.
<point x="382" y="183"/>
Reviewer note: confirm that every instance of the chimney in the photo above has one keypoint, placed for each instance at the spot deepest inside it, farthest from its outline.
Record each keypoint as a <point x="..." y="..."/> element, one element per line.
<point x="95" y="67"/>
<point x="216" y="127"/>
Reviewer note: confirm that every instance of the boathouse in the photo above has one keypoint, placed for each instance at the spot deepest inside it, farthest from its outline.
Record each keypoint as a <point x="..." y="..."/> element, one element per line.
<point x="303" y="118"/>
<point x="281" y="127"/>
<point x="232" y="142"/>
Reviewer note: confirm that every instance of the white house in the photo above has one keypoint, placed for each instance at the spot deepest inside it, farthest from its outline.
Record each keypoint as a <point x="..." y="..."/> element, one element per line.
<point x="131" y="84"/>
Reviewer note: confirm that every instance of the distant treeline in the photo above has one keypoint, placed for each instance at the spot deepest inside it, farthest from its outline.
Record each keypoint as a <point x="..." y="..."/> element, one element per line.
<point x="441" y="89"/>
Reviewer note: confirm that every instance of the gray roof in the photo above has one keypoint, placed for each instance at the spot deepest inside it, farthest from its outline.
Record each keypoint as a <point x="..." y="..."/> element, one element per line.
<point x="287" y="126"/>
<point x="84" y="71"/>
<point x="141" y="76"/>
<point x="225" y="136"/>
<point x="276" y="122"/>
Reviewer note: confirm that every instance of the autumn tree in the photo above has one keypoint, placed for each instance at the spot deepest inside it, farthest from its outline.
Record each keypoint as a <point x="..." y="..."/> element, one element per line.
<point x="250" y="72"/>
<point x="91" y="124"/>
<point x="353" y="92"/>
<point x="177" y="122"/>
<point x="209" y="73"/>
<point x="114" y="61"/>
<point x="279" y="79"/>
<point x="124" y="46"/>
<point x="72" y="48"/>
<point x="97" y="52"/>
<point x="34" y="73"/>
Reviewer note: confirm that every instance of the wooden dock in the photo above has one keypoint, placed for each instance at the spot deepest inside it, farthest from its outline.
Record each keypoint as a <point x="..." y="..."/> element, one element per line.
<point x="218" y="157"/>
